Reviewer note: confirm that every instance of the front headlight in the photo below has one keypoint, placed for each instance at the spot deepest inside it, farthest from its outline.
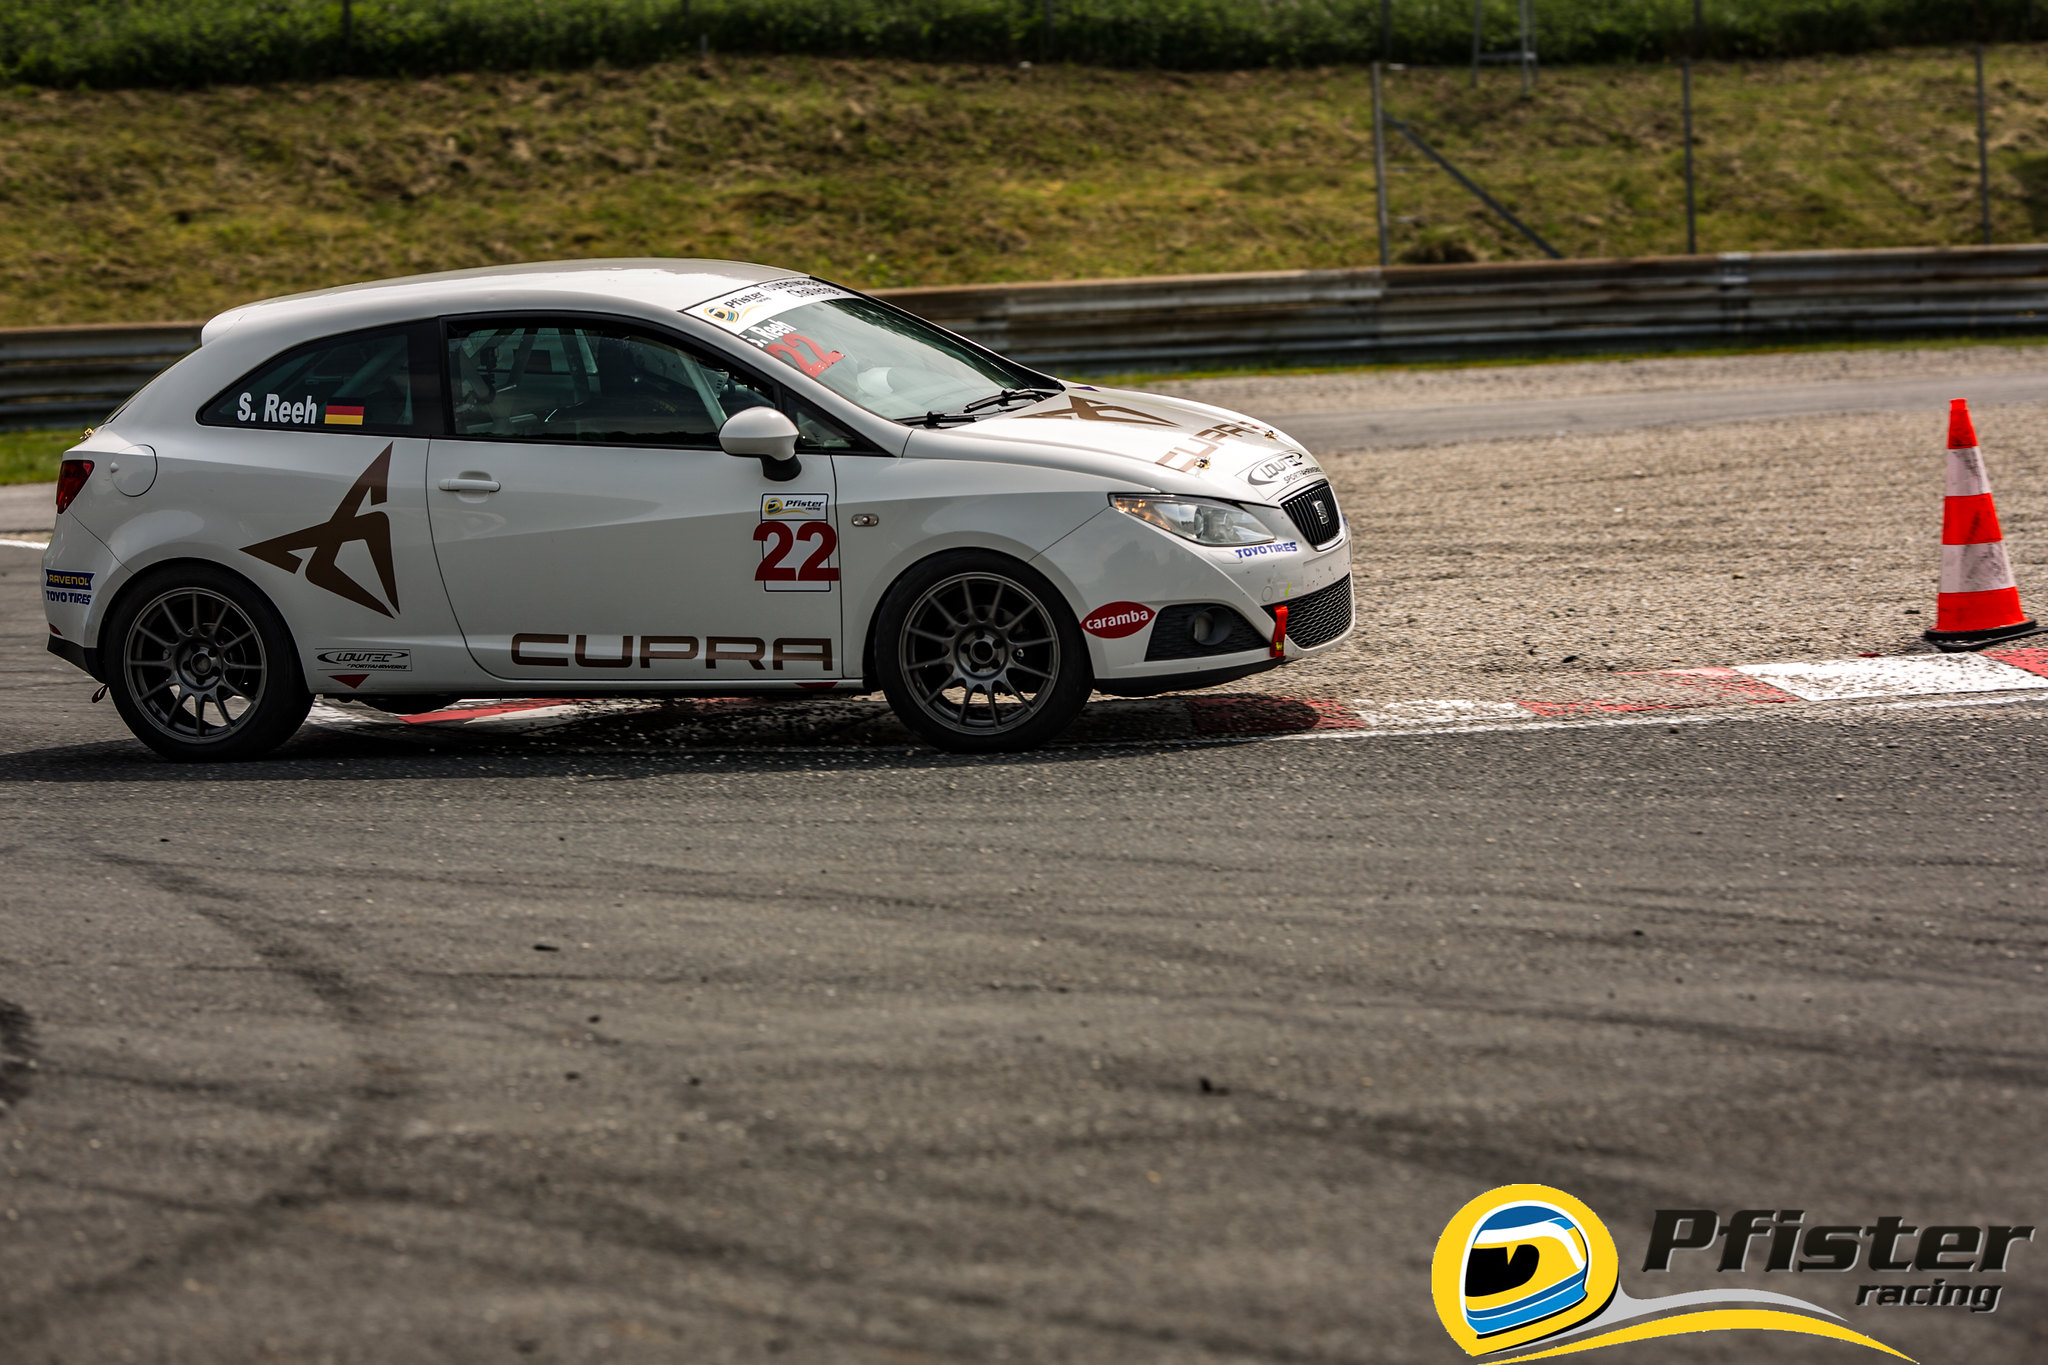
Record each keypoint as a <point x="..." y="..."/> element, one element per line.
<point x="1196" y="519"/>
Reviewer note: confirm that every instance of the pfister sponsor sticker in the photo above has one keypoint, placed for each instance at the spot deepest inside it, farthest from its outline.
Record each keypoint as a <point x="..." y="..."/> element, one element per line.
<point x="743" y="308"/>
<point x="796" y="506"/>
<point x="1289" y="466"/>
<point x="67" y="587"/>
<point x="367" y="660"/>
<point x="1118" y="619"/>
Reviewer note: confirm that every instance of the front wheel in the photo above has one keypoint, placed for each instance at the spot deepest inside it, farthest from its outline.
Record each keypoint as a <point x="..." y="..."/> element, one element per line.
<point x="202" y="667"/>
<point x="978" y="654"/>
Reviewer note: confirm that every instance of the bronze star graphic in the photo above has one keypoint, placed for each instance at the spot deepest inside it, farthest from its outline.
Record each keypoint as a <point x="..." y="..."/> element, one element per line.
<point x="348" y="523"/>
<point x="1094" y="410"/>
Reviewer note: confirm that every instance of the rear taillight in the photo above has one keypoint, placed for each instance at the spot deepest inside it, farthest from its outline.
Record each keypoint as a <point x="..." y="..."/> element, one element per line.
<point x="71" y="476"/>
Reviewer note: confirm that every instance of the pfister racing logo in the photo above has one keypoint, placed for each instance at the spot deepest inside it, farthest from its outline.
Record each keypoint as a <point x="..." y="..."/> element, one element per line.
<point x="1526" y="1272"/>
<point x="1117" y="620"/>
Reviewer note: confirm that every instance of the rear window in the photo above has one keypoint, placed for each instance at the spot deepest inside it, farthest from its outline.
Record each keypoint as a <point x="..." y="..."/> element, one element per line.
<point x="371" y="383"/>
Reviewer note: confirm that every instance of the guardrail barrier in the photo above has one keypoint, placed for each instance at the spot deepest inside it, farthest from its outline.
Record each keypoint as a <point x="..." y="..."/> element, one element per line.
<point x="53" y="376"/>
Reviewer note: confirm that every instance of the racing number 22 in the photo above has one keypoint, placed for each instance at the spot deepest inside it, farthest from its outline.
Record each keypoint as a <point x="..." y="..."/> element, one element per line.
<point x="781" y="572"/>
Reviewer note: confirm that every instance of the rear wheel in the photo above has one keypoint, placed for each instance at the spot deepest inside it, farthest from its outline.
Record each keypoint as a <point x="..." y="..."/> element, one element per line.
<point x="202" y="667"/>
<point x="979" y="654"/>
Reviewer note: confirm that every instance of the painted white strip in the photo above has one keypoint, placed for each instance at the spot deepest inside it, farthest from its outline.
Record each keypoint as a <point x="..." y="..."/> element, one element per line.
<point x="1976" y="568"/>
<point x="1437" y="712"/>
<point x="1914" y="676"/>
<point x="1967" y="476"/>
<point x="26" y="544"/>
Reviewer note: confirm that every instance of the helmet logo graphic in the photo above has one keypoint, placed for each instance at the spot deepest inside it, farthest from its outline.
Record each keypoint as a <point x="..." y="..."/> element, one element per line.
<point x="1521" y="1263"/>
<point x="1524" y="1263"/>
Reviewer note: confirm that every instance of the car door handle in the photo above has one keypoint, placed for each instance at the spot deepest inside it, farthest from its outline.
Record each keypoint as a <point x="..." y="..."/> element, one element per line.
<point x="470" y="483"/>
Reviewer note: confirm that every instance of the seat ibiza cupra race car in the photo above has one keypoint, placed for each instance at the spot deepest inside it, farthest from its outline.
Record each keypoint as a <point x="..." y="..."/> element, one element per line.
<point x="661" y="477"/>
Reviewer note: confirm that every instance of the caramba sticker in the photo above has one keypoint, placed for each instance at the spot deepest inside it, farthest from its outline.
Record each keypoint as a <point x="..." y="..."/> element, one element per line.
<point x="799" y="547"/>
<point x="744" y="308"/>
<point x="67" y="587"/>
<point x="367" y="660"/>
<point x="1118" y="619"/>
<point x="1285" y="468"/>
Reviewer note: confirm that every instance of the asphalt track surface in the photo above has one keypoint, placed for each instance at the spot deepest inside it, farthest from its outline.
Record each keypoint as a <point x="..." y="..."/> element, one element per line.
<point x="578" y="1045"/>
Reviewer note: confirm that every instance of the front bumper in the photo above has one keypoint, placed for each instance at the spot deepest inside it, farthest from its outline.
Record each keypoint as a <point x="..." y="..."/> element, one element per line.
<point x="1112" y="559"/>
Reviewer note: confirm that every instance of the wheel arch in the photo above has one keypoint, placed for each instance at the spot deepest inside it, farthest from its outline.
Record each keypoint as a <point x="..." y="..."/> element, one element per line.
<point x="141" y="579"/>
<point x="869" y="679"/>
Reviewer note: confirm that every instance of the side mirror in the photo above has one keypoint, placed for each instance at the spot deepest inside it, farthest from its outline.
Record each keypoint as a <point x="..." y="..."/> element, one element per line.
<point x="766" y="434"/>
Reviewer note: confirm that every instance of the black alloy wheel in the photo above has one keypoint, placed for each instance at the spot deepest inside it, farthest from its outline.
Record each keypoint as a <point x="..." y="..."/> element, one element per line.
<point x="979" y="654"/>
<point x="202" y="667"/>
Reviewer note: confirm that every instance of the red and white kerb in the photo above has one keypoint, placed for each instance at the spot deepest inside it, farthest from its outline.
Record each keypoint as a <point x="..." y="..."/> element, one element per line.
<point x="1979" y="600"/>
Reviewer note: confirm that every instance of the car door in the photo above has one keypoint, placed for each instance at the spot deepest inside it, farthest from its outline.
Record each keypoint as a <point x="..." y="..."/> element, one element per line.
<point x="590" y="530"/>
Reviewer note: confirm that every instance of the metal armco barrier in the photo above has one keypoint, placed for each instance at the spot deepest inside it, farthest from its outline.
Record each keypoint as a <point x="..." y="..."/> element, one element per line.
<point x="1311" y="317"/>
<point x="54" y="376"/>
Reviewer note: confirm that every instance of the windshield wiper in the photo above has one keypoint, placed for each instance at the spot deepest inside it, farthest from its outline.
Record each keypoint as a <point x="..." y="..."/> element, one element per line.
<point x="934" y="419"/>
<point x="1008" y="396"/>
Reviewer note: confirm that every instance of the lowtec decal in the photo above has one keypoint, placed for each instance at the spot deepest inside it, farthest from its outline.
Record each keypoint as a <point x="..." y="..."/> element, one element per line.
<point x="367" y="660"/>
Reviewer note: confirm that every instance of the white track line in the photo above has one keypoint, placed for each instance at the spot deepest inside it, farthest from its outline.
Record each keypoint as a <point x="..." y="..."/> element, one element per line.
<point x="1914" y="676"/>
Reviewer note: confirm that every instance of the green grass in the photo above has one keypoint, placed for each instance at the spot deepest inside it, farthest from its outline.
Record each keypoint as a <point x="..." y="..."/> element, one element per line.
<point x="31" y="456"/>
<point x="155" y="205"/>
<point x="113" y="43"/>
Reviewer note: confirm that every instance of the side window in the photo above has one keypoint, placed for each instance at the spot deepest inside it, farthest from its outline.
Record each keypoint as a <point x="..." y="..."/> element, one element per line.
<point x="599" y="383"/>
<point x="821" y="435"/>
<point x="365" y="382"/>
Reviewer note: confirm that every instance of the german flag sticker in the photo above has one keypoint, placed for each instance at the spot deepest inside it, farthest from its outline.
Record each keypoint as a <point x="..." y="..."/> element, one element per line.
<point x="340" y="416"/>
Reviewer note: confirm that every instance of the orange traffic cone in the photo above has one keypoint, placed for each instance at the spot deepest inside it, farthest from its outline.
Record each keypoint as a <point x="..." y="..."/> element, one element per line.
<point x="1979" y="602"/>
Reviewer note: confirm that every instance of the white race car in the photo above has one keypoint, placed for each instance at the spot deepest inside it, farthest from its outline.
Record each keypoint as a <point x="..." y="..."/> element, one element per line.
<point x="521" y="481"/>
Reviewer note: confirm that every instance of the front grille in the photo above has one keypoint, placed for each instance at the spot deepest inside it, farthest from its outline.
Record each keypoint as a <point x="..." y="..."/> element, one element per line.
<point x="1174" y="637"/>
<point x="1321" y="616"/>
<point x="1314" y="514"/>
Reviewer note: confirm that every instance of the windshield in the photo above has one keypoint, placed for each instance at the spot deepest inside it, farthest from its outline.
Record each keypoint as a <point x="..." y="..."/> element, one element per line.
<point x="890" y="363"/>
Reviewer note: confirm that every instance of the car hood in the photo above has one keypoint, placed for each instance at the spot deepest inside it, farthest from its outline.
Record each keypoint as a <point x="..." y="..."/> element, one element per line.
<point x="1171" y="444"/>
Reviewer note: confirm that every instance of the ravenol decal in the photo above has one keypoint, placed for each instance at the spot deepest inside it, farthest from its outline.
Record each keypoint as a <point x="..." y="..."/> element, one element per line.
<point x="67" y="587"/>
<point x="1118" y="619"/>
<point x="1528" y="1265"/>
<point x="349" y="523"/>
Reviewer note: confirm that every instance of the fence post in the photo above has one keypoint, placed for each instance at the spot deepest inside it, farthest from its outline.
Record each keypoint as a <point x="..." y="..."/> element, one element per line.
<point x="1386" y="52"/>
<point x="1692" y="237"/>
<point x="1045" y="34"/>
<point x="1478" y="18"/>
<point x="1983" y="150"/>
<point x="1379" y="160"/>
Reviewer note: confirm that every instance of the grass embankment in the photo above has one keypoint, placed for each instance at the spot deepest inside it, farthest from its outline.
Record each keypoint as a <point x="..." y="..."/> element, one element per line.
<point x="112" y="43"/>
<point x="31" y="456"/>
<point x="132" y="206"/>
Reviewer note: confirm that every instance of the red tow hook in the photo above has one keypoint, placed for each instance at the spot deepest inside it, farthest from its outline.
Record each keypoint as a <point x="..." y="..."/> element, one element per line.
<point x="1279" y="631"/>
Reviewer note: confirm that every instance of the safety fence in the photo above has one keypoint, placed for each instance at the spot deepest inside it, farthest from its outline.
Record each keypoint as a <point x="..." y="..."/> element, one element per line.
<point x="53" y="376"/>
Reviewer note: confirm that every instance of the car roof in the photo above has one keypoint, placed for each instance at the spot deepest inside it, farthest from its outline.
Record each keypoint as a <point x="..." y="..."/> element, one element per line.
<point x="647" y="280"/>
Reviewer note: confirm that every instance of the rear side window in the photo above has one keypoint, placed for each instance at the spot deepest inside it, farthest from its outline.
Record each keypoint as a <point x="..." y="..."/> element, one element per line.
<point x="373" y="383"/>
<point x="601" y="383"/>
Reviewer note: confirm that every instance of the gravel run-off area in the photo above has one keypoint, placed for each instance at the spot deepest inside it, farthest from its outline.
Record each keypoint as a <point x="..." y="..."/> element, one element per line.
<point x="1552" y="567"/>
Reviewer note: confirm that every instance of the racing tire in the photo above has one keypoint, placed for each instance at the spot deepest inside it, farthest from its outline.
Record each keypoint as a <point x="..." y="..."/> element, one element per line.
<point x="979" y="654"/>
<point x="202" y="667"/>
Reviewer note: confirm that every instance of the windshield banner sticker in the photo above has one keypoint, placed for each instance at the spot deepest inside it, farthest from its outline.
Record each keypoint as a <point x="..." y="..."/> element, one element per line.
<point x="755" y="304"/>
